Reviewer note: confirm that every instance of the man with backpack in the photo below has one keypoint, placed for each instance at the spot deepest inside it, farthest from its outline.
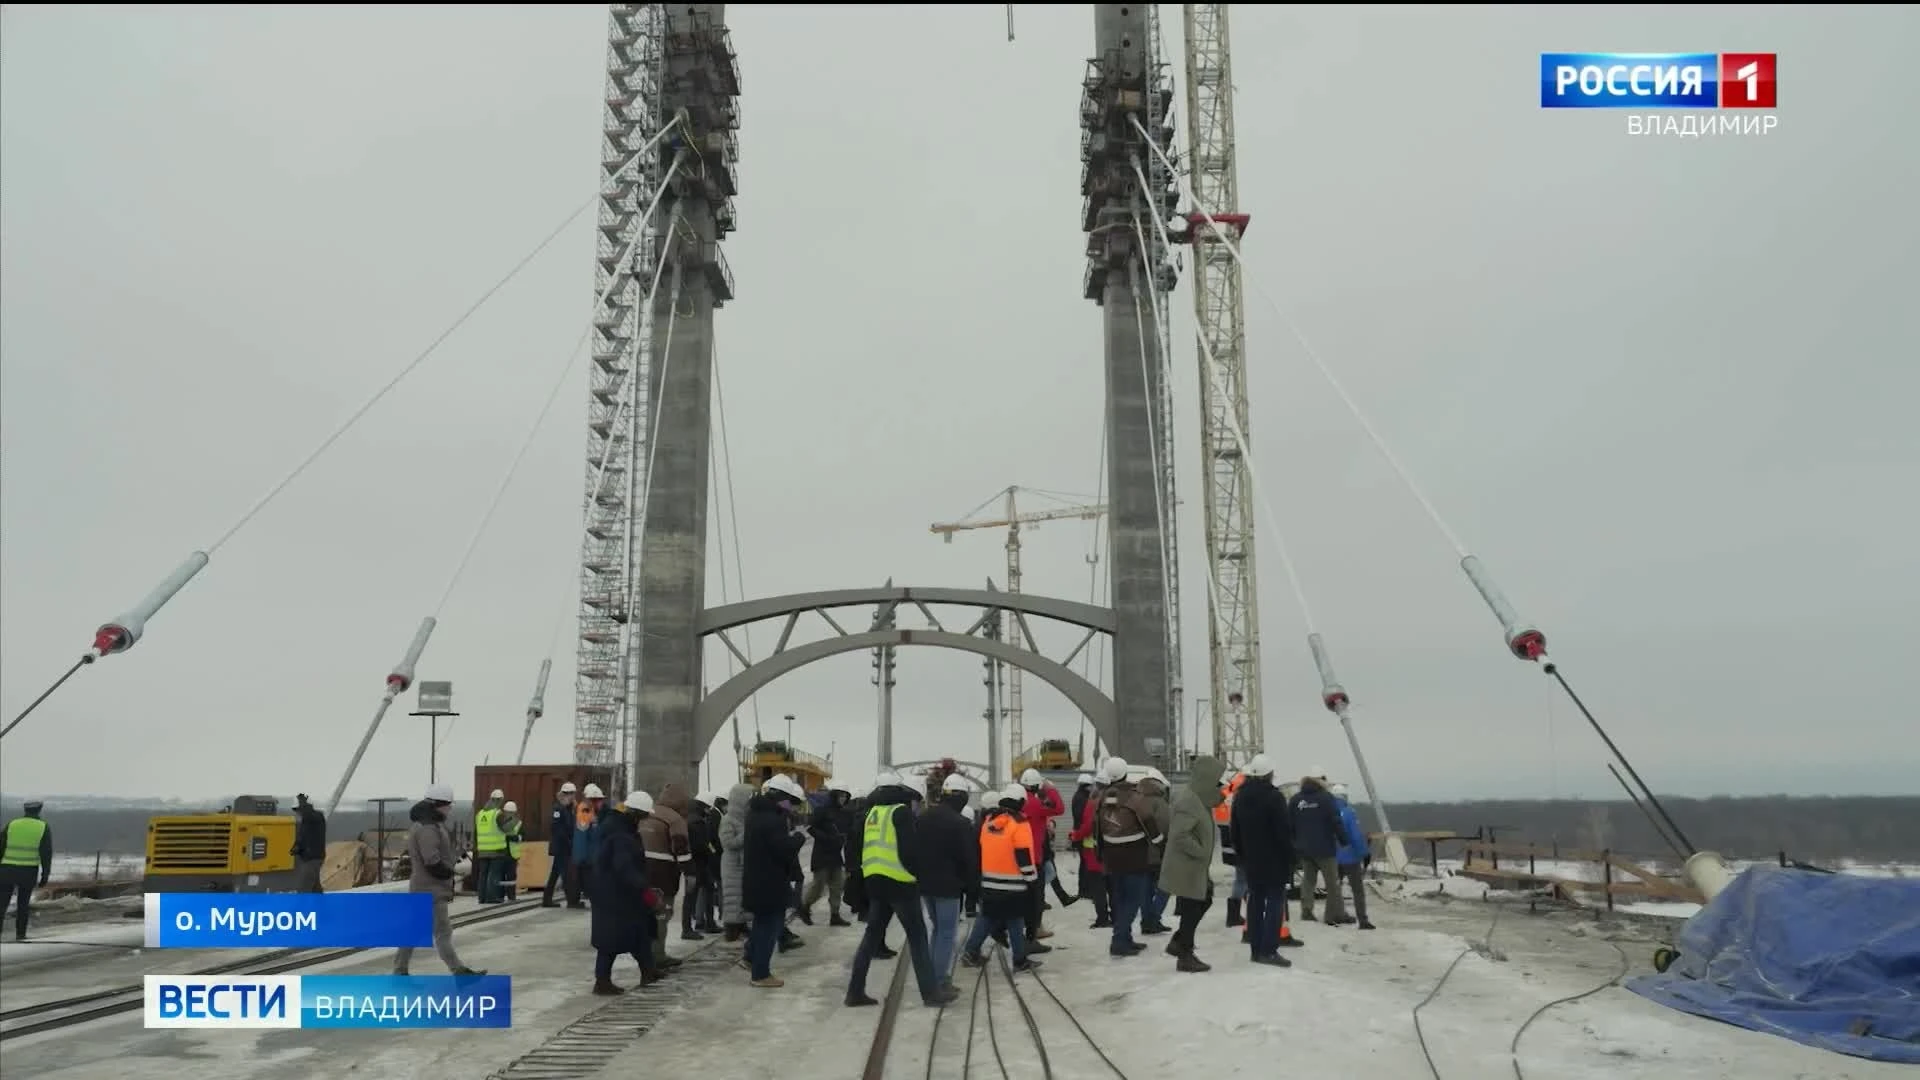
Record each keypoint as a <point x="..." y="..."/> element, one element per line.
<point x="1122" y="824"/>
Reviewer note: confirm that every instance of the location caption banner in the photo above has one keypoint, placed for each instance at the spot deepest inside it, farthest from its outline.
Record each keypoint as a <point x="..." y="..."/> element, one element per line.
<point x="288" y="920"/>
<point x="329" y="1001"/>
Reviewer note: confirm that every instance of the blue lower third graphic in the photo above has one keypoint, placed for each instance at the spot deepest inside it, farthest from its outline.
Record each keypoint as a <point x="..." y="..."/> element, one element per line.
<point x="1629" y="80"/>
<point x="329" y="1001"/>
<point x="406" y="1001"/>
<point x="352" y="920"/>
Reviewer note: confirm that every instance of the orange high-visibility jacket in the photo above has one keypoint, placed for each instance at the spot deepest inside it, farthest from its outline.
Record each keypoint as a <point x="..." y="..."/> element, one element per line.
<point x="1006" y="853"/>
<point x="1223" y="814"/>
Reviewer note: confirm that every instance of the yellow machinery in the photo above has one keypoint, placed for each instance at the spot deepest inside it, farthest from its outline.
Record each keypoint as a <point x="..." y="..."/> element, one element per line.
<point x="773" y="756"/>
<point x="247" y="847"/>
<point x="1049" y="755"/>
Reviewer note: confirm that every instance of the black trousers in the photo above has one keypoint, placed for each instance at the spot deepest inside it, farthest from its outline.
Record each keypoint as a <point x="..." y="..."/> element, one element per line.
<point x="1190" y="912"/>
<point x="560" y="872"/>
<point x="16" y="891"/>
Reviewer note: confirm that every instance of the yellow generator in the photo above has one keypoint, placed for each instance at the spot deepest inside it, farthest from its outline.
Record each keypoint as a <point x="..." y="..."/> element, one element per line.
<point x="773" y="756"/>
<point x="1050" y="755"/>
<point x="247" y="847"/>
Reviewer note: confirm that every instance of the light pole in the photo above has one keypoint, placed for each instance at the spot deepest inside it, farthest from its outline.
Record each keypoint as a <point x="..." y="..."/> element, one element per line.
<point x="435" y="701"/>
<point x="380" y="835"/>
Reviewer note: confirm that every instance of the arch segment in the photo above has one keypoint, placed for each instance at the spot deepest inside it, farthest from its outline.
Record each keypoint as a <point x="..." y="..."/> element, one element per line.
<point x="728" y="616"/>
<point x="727" y="698"/>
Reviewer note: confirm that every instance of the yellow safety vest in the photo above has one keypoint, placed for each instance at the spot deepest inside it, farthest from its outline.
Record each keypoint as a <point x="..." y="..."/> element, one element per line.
<point x="513" y="840"/>
<point x="23" y="842"/>
<point x="487" y="837"/>
<point x="880" y="847"/>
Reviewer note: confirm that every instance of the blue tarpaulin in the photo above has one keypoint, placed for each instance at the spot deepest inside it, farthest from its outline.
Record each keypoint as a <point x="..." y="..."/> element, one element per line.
<point x="1829" y="960"/>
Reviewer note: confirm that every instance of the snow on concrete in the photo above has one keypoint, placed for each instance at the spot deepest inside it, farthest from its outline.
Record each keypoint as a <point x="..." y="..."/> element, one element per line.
<point x="545" y="951"/>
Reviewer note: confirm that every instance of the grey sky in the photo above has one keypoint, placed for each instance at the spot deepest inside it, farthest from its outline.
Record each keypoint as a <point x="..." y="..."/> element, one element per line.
<point x="1663" y="386"/>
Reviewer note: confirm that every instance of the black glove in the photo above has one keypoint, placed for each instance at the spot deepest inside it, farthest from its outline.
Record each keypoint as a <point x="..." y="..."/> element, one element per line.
<point x="441" y="872"/>
<point x="43" y="880"/>
<point x="1366" y="863"/>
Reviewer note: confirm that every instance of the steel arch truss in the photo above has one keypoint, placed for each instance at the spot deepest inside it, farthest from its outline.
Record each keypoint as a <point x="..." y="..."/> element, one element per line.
<point x="973" y="632"/>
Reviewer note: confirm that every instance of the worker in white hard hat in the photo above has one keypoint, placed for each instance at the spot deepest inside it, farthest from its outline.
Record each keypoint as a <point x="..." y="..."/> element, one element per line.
<point x="703" y="871"/>
<point x="1158" y="794"/>
<point x="1263" y="840"/>
<point x="560" y="849"/>
<point x="1093" y="873"/>
<point x="592" y="805"/>
<point x="1042" y="807"/>
<point x="1316" y="844"/>
<point x="949" y="868"/>
<point x="1126" y="830"/>
<point x="1353" y="856"/>
<point x="490" y="849"/>
<point x="828" y="826"/>
<point x="514" y="827"/>
<point x="432" y="858"/>
<point x="624" y="901"/>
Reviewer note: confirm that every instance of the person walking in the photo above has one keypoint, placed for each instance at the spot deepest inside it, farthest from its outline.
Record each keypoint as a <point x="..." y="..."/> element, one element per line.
<point x="431" y="859"/>
<point x="1009" y="871"/>
<point x="1353" y="857"/>
<point x="889" y="856"/>
<point x="1263" y="839"/>
<point x="1186" y="871"/>
<point x="733" y="854"/>
<point x="309" y="845"/>
<point x="769" y="868"/>
<point x="623" y="902"/>
<point x="1122" y="830"/>
<point x="828" y="828"/>
<point x="1093" y="875"/>
<point x="29" y="845"/>
<point x="1156" y="791"/>
<point x="949" y="868"/>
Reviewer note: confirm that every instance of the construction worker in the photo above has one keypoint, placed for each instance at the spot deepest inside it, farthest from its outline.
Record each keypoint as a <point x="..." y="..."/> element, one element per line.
<point x="1223" y="824"/>
<point x="1315" y="816"/>
<point x="586" y="834"/>
<point x="309" y="845"/>
<point x="560" y="850"/>
<point x="489" y="847"/>
<point x="29" y="844"/>
<point x="1009" y="872"/>
<point x="1353" y="858"/>
<point x="431" y="855"/>
<point x="1124" y="832"/>
<point x="1263" y="836"/>
<point x="888" y="857"/>
<point x="513" y="828"/>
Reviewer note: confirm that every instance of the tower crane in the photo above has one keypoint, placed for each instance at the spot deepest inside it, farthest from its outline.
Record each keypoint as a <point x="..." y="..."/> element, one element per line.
<point x="1233" y="623"/>
<point x="1010" y="519"/>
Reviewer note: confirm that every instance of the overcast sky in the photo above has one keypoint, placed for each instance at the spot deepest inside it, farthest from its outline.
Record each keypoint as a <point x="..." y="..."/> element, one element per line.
<point x="1664" y="387"/>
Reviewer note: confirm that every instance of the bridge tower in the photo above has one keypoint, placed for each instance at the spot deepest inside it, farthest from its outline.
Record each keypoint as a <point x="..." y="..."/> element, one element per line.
<point x="1130" y="274"/>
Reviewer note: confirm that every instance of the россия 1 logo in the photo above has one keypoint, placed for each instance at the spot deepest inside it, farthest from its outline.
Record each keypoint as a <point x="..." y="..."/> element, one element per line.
<point x="1682" y="81"/>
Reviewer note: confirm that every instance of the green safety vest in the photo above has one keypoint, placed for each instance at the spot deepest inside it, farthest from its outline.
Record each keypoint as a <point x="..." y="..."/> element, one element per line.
<point x="880" y="847"/>
<point x="513" y="841"/>
<point x="23" y="842"/>
<point x="487" y="837"/>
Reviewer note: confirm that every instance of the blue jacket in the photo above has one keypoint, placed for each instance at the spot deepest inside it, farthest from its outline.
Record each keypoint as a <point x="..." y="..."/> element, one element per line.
<point x="1353" y="839"/>
<point x="586" y="842"/>
<point x="1316" y="822"/>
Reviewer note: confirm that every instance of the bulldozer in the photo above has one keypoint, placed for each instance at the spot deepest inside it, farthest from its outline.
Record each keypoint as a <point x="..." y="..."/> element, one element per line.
<point x="245" y="847"/>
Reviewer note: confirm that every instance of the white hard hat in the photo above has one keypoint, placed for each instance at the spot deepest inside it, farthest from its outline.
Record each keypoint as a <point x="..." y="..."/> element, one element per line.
<point x="704" y="797"/>
<point x="967" y="812"/>
<point x="1083" y="779"/>
<point x="497" y="794"/>
<point x="953" y="783"/>
<point x="1156" y="774"/>
<point x="1339" y="790"/>
<point x="1014" y="793"/>
<point x="511" y="807"/>
<point x="1032" y="778"/>
<point x="439" y="793"/>
<point x="836" y="785"/>
<point x="783" y="784"/>
<point x="593" y="792"/>
<point x="1261" y="765"/>
<point x="1318" y="772"/>
<point x="568" y="788"/>
<point x="888" y="779"/>
<point x="1114" y="771"/>
<point x="639" y="801"/>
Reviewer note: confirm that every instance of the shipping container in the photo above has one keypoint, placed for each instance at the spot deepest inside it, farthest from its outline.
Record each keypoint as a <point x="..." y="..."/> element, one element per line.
<point x="533" y="789"/>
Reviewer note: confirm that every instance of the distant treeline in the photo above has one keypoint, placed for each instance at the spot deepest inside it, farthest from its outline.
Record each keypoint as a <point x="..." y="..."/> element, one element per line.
<point x="1827" y="828"/>
<point x="1870" y="828"/>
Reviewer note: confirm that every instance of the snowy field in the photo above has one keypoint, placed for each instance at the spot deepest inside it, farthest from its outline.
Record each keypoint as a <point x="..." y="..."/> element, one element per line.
<point x="104" y="866"/>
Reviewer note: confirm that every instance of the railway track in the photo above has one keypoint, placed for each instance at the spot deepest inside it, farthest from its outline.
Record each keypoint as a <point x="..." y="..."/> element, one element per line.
<point x="101" y="1004"/>
<point x="990" y="1000"/>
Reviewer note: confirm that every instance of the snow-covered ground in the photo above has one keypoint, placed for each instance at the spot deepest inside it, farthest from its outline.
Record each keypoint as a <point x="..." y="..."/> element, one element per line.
<point x="104" y="866"/>
<point x="1587" y="871"/>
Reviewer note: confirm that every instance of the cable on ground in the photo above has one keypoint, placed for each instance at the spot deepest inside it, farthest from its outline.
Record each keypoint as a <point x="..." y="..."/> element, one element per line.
<point x="1513" y="1048"/>
<point x="1485" y="946"/>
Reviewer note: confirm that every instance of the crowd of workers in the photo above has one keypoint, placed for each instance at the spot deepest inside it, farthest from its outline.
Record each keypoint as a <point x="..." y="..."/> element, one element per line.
<point x="732" y="866"/>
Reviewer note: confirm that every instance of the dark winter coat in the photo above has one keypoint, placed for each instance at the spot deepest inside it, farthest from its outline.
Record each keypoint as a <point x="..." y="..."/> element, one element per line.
<point x="310" y="834"/>
<point x="1262" y="835"/>
<point x="828" y="827"/>
<point x="619" y="888"/>
<point x="560" y="831"/>
<point x="1316" y="821"/>
<point x="1078" y="811"/>
<point x="701" y="844"/>
<point x="949" y="850"/>
<point x="664" y="834"/>
<point x="771" y="859"/>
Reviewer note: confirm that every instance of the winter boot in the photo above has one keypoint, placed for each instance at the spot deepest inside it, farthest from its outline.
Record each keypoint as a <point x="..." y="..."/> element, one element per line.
<point x="1273" y="959"/>
<point x="855" y="1001"/>
<point x="606" y="988"/>
<point x="690" y="934"/>
<point x="805" y="915"/>
<point x="734" y="933"/>
<point x="1233" y="914"/>
<point x="1365" y="925"/>
<point x="837" y="920"/>
<point x="884" y="953"/>
<point x="1176" y="948"/>
<point x="649" y="976"/>
<point x="771" y="982"/>
<point x="1155" y="928"/>
<point x="1191" y="963"/>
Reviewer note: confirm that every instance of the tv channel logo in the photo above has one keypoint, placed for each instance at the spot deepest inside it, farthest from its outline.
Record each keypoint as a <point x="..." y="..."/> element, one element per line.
<point x="231" y="1001"/>
<point x="1659" y="80"/>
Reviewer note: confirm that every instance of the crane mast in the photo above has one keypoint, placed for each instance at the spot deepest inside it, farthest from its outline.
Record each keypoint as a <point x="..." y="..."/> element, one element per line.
<point x="1233" y="624"/>
<point x="1011" y="707"/>
<point x="618" y="404"/>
